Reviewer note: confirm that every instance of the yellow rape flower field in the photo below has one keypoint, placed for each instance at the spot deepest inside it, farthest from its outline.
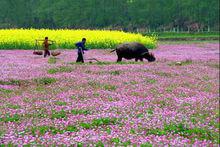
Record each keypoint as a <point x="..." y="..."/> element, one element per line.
<point x="101" y="39"/>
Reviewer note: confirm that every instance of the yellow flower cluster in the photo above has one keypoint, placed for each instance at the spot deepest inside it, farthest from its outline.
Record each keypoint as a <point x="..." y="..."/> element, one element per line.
<point x="96" y="39"/>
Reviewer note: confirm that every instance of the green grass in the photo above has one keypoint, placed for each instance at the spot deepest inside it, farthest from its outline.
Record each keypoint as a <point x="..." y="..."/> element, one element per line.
<point x="163" y="74"/>
<point x="5" y="91"/>
<point x="10" y="82"/>
<point x="104" y="121"/>
<point x="183" y="34"/>
<point x="151" y="81"/>
<point x="80" y="111"/>
<point x="99" y="122"/>
<point x="71" y="129"/>
<point x="98" y="85"/>
<point x="60" y="69"/>
<point x="41" y="130"/>
<point x="188" y="42"/>
<point x="109" y="87"/>
<point x="11" y="106"/>
<point x="115" y="72"/>
<point x="45" y="81"/>
<point x="52" y="60"/>
<point x="58" y="115"/>
<point x="60" y="103"/>
<point x="44" y="129"/>
<point x="182" y="130"/>
<point x="86" y="125"/>
<point x="9" y="118"/>
<point x="150" y="111"/>
<point x="146" y="144"/>
<point x="170" y="88"/>
<point x="115" y="140"/>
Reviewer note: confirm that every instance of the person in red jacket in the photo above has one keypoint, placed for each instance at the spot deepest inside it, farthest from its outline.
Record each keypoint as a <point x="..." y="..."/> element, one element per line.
<point x="46" y="45"/>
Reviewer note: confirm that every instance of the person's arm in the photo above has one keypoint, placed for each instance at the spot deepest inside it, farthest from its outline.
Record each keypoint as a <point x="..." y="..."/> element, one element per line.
<point x="83" y="47"/>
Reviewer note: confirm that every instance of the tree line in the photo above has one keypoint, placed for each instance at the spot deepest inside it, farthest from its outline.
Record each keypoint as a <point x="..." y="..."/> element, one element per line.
<point x="127" y="15"/>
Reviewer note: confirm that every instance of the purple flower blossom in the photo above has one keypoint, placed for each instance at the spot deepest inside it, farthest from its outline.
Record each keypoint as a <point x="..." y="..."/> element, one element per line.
<point x="164" y="103"/>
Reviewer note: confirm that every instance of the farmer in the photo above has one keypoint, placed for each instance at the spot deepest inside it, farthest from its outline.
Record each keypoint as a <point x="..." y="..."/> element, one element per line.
<point x="46" y="45"/>
<point x="81" y="48"/>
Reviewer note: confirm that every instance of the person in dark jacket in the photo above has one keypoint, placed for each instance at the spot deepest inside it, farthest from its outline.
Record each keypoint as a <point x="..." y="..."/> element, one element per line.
<point x="81" y="48"/>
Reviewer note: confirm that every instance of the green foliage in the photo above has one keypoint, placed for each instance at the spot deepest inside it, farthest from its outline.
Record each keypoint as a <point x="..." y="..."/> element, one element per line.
<point x="45" y="81"/>
<point x="133" y="82"/>
<point x="86" y="125"/>
<point x="161" y="15"/>
<point x="108" y="130"/>
<point x="71" y="129"/>
<point x="98" y="85"/>
<point x="60" y="70"/>
<point x="41" y="130"/>
<point x="80" y="111"/>
<point x="99" y="122"/>
<point x="191" y="133"/>
<point x="9" y="118"/>
<point x="151" y="81"/>
<point x="115" y="140"/>
<point x="58" y="115"/>
<point x="140" y="115"/>
<point x="99" y="144"/>
<point x="13" y="106"/>
<point x="170" y="88"/>
<point x="164" y="74"/>
<point x="40" y="88"/>
<point x="52" y="60"/>
<point x="73" y="97"/>
<point x="127" y="143"/>
<point x="79" y="144"/>
<point x="150" y="111"/>
<point x="94" y="84"/>
<point x="132" y="131"/>
<point x="184" y="34"/>
<point x="110" y="87"/>
<point x="115" y="72"/>
<point x="103" y="121"/>
<point x="96" y="94"/>
<point x="147" y="144"/>
<point x="10" y="82"/>
<point x="5" y="91"/>
<point x="208" y="87"/>
<point x="60" y="103"/>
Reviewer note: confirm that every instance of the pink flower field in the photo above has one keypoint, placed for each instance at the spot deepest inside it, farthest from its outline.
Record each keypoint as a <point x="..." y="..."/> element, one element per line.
<point x="54" y="101"/>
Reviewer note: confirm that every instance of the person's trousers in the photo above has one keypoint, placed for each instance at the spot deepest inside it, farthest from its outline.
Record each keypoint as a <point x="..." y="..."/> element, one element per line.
<point x="80" y="58"/>
<point x="46" y="52"/>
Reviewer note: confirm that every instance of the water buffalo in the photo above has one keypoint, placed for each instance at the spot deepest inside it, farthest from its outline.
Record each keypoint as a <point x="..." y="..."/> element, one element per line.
<point x="133" y="50"/>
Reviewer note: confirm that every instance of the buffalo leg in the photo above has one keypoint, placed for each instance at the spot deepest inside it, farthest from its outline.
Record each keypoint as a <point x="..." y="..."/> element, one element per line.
<point x="141" y="59"/>
<point x="136" y="59"/>
<point x="119" y="59"/>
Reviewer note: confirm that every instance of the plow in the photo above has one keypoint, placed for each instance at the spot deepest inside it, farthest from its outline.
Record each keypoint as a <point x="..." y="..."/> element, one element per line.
<point x="93" y="59"/>
<point x="38" y="50"/>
